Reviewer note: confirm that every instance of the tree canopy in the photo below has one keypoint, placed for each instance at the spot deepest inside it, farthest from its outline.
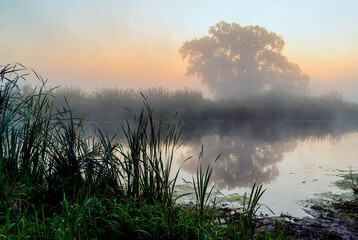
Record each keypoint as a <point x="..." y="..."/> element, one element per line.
<point x="235" y="61"/>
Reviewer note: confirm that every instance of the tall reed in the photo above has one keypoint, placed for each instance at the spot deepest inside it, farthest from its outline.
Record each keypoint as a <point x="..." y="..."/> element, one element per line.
<point x="202" y="183"/>
<point x="251" y="207"/>
<point x="43" y="143"/>
<point x="58" y="183"/>
<point x="147" y="162"/>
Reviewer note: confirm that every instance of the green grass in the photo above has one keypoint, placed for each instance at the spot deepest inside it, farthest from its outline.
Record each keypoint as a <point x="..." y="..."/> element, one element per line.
<point x="58" y="183"/>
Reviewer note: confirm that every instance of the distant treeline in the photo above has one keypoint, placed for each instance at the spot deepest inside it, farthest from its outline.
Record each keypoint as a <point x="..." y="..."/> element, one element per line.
<point x="117" y="104"/>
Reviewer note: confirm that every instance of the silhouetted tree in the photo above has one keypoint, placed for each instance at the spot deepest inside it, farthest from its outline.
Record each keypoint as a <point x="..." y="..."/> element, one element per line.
<point x="235" y="61"/>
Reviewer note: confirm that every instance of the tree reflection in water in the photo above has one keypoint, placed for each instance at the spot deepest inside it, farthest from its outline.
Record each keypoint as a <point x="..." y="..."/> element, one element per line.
<point x="251" y="152"/>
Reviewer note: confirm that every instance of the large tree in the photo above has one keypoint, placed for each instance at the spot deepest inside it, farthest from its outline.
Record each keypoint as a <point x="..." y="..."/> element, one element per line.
<point x="235" y="61"/>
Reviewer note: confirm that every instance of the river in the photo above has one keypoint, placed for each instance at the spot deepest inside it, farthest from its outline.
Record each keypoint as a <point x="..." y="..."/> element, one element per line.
<point x="297" y="162"/>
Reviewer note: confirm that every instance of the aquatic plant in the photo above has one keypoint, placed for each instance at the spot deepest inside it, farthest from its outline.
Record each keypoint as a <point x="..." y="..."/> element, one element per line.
<point x="58" y="183"/>
<point x="147" y="160"/>
<point x="251" y="206"/>
<point x="201" y="184"/>
<point x="353" y="181"/>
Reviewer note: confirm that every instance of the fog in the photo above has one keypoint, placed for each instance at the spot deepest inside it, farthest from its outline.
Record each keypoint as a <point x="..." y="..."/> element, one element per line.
<point x="130" y="44"/>
<point x="252" y="135"/>
<point x="258" y="83"/>
<point x="244" y="69"/>
<point x="190" y="105"/>
<point x="252" y="131"/>
<point x="250" y="151"/>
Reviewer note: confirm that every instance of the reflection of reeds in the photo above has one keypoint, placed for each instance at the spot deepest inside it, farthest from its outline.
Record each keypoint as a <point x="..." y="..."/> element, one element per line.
<point x="56" y="183"/>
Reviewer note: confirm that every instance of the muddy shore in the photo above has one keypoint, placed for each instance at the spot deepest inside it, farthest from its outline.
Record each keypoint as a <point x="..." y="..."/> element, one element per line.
<point x="339" y="221"/>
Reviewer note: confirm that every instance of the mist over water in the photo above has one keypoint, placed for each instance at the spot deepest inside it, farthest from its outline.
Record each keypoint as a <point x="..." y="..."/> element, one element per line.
<point x="295" y="161"/>
<point x="190" y="105"/>
<point x="262" y="138"/>
<point x="250" y="152"/>
<point x="261" y="112"/>
<point x="156" y="120"/>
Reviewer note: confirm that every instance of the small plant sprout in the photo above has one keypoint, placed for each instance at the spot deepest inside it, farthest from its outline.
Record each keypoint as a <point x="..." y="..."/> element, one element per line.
<point x="353" y="181"/>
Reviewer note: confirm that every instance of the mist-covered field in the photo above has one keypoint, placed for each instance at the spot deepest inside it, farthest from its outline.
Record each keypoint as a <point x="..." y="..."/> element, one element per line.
<point x="190" y="105"/>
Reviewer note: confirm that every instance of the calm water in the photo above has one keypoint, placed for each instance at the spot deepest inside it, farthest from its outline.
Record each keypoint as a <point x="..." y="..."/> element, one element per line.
<point x="295" y="161"/>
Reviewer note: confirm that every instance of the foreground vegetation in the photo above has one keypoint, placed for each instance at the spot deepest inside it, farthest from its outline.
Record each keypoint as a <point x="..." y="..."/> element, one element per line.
<point x="57" y="183"/>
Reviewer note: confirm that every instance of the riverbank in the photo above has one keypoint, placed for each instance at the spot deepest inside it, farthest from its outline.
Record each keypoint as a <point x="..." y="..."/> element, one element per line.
<point x="56" y="182"/>
<point x="327" y="216"/>
<point x="338" y="222"/>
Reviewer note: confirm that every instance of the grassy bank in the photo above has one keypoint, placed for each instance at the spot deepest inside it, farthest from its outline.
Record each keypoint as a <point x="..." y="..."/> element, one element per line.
<point x="58" y="183"/>
<point x="108" y="105"/>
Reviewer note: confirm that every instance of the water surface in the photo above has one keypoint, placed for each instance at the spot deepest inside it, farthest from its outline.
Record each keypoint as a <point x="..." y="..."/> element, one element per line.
<point x="295" y="161"/>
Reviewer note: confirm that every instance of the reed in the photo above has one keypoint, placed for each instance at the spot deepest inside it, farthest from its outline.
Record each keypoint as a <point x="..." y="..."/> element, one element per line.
<point x="201" y="184"/>
<point x="251" y="207"/>
<point x="58" y="183"/>
<point x="148" y="159"/>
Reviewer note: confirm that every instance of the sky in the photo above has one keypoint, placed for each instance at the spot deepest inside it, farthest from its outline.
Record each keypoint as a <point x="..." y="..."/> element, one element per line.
<point x="95" y="44"/>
